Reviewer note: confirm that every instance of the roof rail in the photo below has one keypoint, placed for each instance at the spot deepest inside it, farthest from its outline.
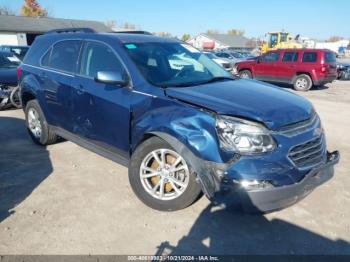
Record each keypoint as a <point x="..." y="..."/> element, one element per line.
<point x="71" y="30"/>
<point x="140" y="32"/>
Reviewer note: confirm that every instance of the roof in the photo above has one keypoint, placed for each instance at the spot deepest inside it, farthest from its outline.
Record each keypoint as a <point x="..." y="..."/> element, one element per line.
<point x="123" y="38"/>
<point x="230" y="40"/>
<point x="24" y="24"/>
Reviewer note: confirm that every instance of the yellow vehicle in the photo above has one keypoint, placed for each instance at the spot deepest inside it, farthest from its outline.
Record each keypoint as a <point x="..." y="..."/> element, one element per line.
<point x="279" y="40"/>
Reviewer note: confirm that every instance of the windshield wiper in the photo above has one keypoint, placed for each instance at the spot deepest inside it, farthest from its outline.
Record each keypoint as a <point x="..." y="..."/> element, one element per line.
<point x="217" y="79"/>
<point x="212" y="80"/>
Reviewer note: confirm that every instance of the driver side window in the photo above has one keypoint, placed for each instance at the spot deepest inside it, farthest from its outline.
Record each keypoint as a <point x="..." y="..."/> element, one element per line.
<point x="270" y="57"/>
<point x="98" y="57"/>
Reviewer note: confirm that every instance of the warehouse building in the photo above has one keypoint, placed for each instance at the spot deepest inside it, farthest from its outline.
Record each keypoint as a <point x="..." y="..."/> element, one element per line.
<point x="22" y="30"/>
<point x="222" y="41"/>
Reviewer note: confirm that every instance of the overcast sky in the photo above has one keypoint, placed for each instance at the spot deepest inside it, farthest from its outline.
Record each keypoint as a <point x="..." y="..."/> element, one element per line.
<point x="318" y="19"/>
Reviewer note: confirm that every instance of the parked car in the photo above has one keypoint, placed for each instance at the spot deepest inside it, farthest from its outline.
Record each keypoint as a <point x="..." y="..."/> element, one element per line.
<point x="182" y="131"/>
<point x="303" y="68"/>
<point x="343" y="70"/>
<point x="224" y="62"/>
<point x="234" y="57"/>
<point x="8" y="80"/>
<point x="19" y="51"/>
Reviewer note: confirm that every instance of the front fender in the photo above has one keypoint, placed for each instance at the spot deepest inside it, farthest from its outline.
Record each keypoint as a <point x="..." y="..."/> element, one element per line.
<point x="193" y="128"/>
<point x="190" y="131"/>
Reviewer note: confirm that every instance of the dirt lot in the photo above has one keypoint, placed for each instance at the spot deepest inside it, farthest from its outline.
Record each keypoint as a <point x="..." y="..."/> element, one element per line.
<point x="64" y="199"/>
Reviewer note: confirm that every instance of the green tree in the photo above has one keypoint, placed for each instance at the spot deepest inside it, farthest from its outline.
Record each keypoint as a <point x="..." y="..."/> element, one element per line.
<point x="33" y="8"/>
<point x="4" y="10"/>
<point x="234" y="31"/>
<point x="185" y="37"/>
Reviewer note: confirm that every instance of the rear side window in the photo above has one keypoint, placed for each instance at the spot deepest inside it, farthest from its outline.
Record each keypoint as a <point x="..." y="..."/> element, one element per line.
<point x="271" y="57"/>
<point x="290" y="57"/>
<point x="330" y="57"/>
<point x="99" y="57"/>
<point x="64" y="55"/>
<point x="45" y="61"/>
<point x="310" y="57"/>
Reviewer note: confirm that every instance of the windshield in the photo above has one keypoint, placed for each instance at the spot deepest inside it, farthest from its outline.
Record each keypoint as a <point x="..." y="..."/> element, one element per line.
<point x="237" y="55"/>
<point x="174" y="64"/>
<point x="9" y="61"/>
<point x="211" y="56"/>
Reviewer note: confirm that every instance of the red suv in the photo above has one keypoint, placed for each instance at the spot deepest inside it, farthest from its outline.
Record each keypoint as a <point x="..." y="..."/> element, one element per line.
<point x="303" y="68"/>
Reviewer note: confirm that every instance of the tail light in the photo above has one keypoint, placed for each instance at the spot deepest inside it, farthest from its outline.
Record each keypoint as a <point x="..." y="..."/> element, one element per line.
<point x="325" y="68"/>
<point x="19" y="72"/>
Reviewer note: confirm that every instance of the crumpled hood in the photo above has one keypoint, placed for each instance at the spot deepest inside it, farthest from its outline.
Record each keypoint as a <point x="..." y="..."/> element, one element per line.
<point x="8" y="76"/>
<point x="248" y="99"/>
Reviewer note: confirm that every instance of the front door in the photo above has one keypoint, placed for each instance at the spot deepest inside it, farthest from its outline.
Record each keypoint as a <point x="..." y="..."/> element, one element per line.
<point x="101" y="111"/>
<point x="265" y="67"/>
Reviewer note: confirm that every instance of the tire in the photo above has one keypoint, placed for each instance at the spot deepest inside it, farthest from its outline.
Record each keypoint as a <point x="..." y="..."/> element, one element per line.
<point x="37" y="127"/>
<point x="14" y="98"/>
<point x="302" y="83"/>
<point x="142" y="187"/>
<point x="245" y="74"/>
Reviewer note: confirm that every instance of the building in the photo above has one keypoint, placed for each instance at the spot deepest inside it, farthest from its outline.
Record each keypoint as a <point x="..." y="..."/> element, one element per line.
<point x="22" y="30"/>
<point x="220" y="41"/>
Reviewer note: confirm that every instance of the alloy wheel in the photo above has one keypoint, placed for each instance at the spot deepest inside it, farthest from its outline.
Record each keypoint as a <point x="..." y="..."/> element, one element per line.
<point x="164" y="174"/>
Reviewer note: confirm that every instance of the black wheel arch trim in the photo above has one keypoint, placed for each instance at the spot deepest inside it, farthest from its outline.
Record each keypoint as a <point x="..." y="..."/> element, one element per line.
<point x="208" y="174"/>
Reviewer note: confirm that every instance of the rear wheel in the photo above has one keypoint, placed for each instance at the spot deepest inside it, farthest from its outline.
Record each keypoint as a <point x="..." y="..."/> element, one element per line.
<point x="245" y="74"/>
<point x="302" y="83"/>
<point x="161" y="178"/>
<point x="37" y="126"/>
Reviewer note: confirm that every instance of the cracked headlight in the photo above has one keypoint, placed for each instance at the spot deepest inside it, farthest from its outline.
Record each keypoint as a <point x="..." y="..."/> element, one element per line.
<point x="244" y="137"/>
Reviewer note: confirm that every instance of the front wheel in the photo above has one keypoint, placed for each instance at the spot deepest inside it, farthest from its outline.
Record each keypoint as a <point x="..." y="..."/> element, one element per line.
<point x="245" y="74"/>
<point x="161" y="178"/>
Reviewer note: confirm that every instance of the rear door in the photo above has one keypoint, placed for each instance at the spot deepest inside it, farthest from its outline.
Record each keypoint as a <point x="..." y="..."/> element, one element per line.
<point x="58" y="69"/>
<point x="330" y="60"/>
<point x="265" y="67"/>
<point x="101" y="111"/>
<point x="288" y="66"/>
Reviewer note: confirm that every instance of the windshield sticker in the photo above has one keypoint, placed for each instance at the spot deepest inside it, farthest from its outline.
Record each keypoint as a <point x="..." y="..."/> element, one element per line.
<point x="190" y="48"/>
<point x="13" y="59"/>
<point x="130" y="46"/>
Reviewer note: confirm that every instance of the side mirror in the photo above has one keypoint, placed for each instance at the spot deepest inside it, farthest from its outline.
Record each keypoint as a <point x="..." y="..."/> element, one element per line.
<point x="259" y="59"/>
<point x="111" y="78"/>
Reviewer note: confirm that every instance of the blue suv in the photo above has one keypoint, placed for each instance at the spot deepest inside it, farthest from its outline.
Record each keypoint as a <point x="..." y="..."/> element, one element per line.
<point x="181" y="123"/>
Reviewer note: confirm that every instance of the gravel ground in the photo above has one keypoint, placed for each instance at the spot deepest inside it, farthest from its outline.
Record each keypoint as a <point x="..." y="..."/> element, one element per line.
<point x="64" y="199"/>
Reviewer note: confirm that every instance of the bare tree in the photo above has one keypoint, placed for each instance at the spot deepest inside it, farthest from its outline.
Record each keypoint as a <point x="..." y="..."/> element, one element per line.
<point x="112" y="24"/>
<point x="234" y="31"/>
<point x="213" y="31"/>
<point x="335" y="38"/>
<point x="5" y="10"/>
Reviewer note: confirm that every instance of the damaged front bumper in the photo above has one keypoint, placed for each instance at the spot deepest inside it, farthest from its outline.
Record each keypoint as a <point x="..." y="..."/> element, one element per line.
<point x="270" y="198"/>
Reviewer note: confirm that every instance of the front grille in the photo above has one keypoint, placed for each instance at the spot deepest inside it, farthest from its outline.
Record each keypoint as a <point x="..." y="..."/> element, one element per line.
<point x="308" y="154"/>
<point x="300" y="127"/>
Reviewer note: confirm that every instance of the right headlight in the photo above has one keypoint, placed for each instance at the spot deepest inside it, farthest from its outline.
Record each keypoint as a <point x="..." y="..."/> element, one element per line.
<point x="244" y="137"/>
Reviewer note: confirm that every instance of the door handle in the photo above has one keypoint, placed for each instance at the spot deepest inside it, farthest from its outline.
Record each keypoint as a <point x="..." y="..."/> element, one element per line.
<point x="43" y="75"/>
<point x="80" y="89"/>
